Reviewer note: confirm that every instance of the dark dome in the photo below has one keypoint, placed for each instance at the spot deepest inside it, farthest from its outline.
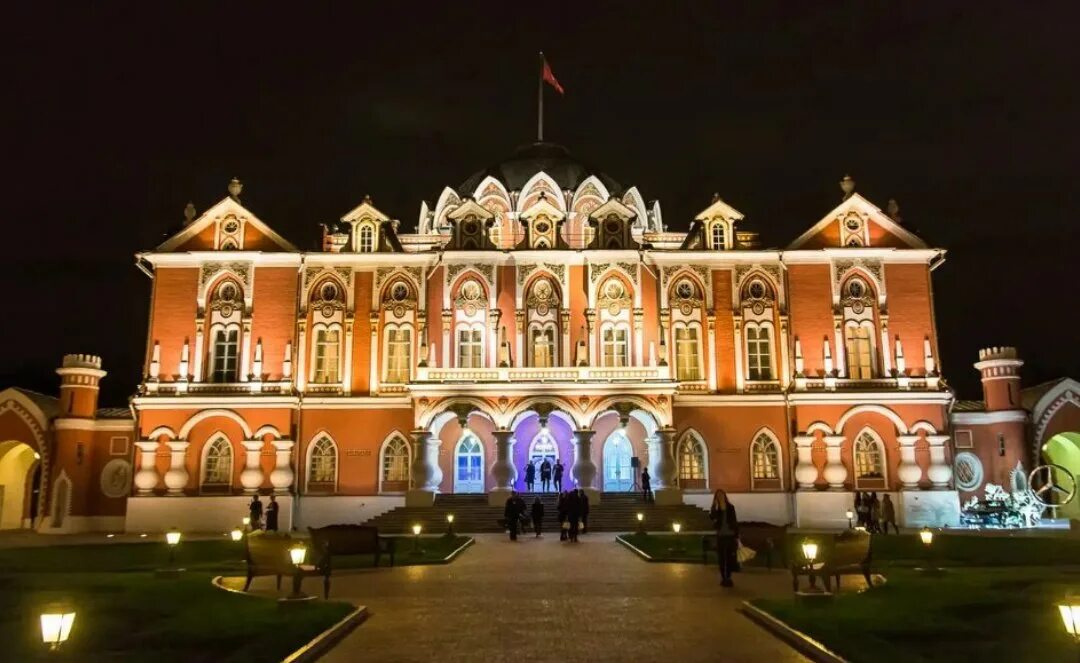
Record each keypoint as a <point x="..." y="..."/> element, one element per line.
<point x="528" y="160"/>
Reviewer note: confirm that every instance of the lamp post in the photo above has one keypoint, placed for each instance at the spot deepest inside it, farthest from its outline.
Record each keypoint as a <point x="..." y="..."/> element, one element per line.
<point x="297" y="555"/>
<point x="850" y="518"/>
<point x="1070" y="618"/>
<point x="640" y="522"/>
<point x="172" y="538"/>
<point x="416" y="529"/>
<point x="56" y="623"/>
<point x="809" y="549"/>
<point x="926" y="535"/>
<point x="449" y="524"/>
<point x="676" y="527"/>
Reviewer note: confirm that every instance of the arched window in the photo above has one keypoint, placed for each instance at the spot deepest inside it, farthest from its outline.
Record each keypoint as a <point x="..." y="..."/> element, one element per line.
<point x="718" y="238"/>
<point x="322" y="466"/>
<point x="765" y="462"/>
<point x="688" y="352"/>
<point x="217" y="466"/>
<point x="542" y="304"/>
<point x="857" y="301"/>
<point x="327" y="355"/>
<point x="470" y="321"/>
<point x="869" y="456"/>
<point x="692" y="466"/>
<point x="614" y="346"/>
<point x="615" y="303"/>
<point x="398" y="354"/>
<point x="395" y="465"/>
<point x="224" y="366"/>
<point x="860" y="353"/>
<point x="225" y="313"/>
<point x="469" y="465"/>
<point x="759" y="352"/>
<point x="367" y="239"/>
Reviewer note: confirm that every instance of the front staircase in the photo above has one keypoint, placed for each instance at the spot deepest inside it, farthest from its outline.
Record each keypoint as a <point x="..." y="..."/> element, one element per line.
<point x="616" y="512"/>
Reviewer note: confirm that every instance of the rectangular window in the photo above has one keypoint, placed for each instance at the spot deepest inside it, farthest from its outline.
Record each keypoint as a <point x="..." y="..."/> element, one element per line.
<point x="687" y="363"/>
<point x="543" y="347"/>
<point x="758" y="353"/>
<point x="615" y="349"/>
<point x="367" y="239"/>
<point x="398" y="355"/>
<point x="859" y="353"/>
<point x="327" y="352"/>
<point x="718" y="235"/>
<point x="470" y="348"/>
<point x="226" y="349"/>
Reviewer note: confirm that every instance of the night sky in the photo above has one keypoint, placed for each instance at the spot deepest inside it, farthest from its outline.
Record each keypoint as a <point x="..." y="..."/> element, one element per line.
<point x="118" y="114"/>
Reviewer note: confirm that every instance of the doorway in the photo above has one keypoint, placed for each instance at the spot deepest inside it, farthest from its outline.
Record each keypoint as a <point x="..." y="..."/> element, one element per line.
<point x="469" y="465"/>
<point x="18" y="465"/>
<point x="543" y="447"/>
<point x="618" y="471"/>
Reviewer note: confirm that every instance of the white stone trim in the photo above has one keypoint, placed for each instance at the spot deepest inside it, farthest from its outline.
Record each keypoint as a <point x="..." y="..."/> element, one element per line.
<point x="185" y="430"/>
<point x="1000" y="417"/>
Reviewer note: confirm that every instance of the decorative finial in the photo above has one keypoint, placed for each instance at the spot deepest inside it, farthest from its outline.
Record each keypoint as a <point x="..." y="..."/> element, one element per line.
<point x="893" y="210"/>
<point x="189" y="213"/>
<point x="367" y="198"/>
<point x="715" y="197"/>
<point x="235" y="187"/>
<point x="847" y="185"/>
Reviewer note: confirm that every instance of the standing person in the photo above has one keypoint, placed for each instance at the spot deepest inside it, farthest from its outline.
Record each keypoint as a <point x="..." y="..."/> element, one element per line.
<point x="888" y="514"/>
<point x="724" y="519"/>
<point x="573" y="513"/>
<point x="558" y="475"/>
<point x="255" y="511"/>
<point x="646" y="485"/>
<point x="530" y="477"/>
<point x="560" y="510"/>
<point x="545" y="475"/>
<point x="538" y="516"/>
<point x="583" y="507"/>
<point x="512" y="515"/>
<point x="875" y="513"/>
<point x="272" y="515"/>
<point x="860" y="510"/>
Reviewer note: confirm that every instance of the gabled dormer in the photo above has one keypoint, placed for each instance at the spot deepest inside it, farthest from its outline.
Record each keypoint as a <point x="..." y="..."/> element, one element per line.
<point x="543" y="224"/>
<point x="612" y="224"/>
<point x="470" y="227"/>
<point x="857" y="223"/>
<point x="227" y="226"/>
<point x="714" y="229"/>
<point x="365" y="223"/>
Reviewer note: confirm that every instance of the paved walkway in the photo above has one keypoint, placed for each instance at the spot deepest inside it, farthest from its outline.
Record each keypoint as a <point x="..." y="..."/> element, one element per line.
<point x="539" y="600"/>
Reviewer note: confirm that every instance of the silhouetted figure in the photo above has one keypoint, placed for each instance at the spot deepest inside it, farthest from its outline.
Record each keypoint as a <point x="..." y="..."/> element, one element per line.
<point x="573" y="514"/>
<point x="862" y="510"/>
<point x="558" y="475"/>
<point x="560" y="509"/>
<point x="646" y="486"/>
<point x="255" y="510"/>
<point x="583" y="507"/>
<point x="272" y="515"/>
<point x="726" y="523"/>
<point x="875" y="514"/>
<point x="545" y="475"/>
<point x="888" y="514"/>
<point x="538" y="516"/>
<point x="530" y="477"/>
<point x="515" y="506"/>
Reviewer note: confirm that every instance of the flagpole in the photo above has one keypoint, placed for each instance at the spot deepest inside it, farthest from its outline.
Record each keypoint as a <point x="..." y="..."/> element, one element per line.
<point x="540" y="101"/>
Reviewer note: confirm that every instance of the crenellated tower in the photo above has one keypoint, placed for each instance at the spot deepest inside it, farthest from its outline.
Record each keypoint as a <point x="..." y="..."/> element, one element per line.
<point x="1000" y="369"/>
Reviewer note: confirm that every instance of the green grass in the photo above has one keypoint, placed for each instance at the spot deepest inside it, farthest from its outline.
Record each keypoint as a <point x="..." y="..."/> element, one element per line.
<point x="966" y="614"/>
<point x="126" y="613"/>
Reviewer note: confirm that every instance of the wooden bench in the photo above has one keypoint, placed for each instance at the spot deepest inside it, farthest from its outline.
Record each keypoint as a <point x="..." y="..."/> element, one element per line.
<point x="350" y="540"/>
<point x="837" y="553"/>
<point x="267" y="554"/>
<point x="763" y="538"/>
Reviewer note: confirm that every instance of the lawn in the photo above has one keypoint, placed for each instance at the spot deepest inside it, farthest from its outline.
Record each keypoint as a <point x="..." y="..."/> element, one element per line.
<point x="966" y="614"/>
<point x="126" y="613"/>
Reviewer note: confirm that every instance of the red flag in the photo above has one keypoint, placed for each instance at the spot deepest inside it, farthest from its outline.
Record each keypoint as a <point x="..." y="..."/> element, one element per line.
<point x="549" y="78"/>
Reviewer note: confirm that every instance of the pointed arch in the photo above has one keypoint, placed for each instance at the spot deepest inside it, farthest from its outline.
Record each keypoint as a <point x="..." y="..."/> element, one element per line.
<point x="869" y="461"/>
<point x="217" y="412"/>
<point x="61" y="501"/>
<point x="632" y="199"/>
<point x="469" y="463"/>
<point x="395" y="463"/>
<point x="545" y="183"/>
<point x="591" y="186"/>
<point x="901" y="427"/>
<point x="766" y="461"/>
<point x="448" y="200"/>
<point x="321" y="464"/>
<point x="216" y="465"/>
<point x="692" y="461"/>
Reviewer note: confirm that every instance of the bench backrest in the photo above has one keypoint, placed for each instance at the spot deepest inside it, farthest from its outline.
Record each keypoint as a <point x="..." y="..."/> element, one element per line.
<point x="269" y="551"/>
<point x="849" y="548"/>
<point x="346" y="539"/>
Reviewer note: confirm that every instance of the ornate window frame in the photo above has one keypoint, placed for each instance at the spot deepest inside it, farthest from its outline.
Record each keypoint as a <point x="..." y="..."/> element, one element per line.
<point x="310" y="457"/>
<point x="868" y="436"/>
<point x="392" y="439"/>
<point x="216" y="440"/>
<point x="762" y="443"/>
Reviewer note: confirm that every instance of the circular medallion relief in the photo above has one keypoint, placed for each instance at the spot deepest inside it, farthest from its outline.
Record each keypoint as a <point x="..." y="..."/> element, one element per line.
<point x="685" y="290"/>
<point x="968" y="470"/>
<point x="471" y="290"/>
<point x="853" y="223"/>
<point x="227" y="293"/>
<point x="614" y="289"/>
<point x="399" y="292"/>
<point x="856" y="289"/>
<point x="329" y="292"/>
<point x="116" y="478"/>
<point x="230" y="226"/>
<point x="542" y="227"/>
<point x="757" y="290"/>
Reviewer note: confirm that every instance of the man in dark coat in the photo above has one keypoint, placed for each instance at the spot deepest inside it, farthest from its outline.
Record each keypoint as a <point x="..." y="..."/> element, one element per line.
<point x="560" y="508"/>
<point x="583" y="498"/>
<point x="573" y="514"/>
<point x="272" y="515"/>
<point x="558" y="475"/>
<point x="545" y="475"/>
<point x="537" y="516"/>
<point x="255" y="510"/>
<point x="646" y="485"/>
<point x="512" y="514"/>
<point x="530" y="477"/>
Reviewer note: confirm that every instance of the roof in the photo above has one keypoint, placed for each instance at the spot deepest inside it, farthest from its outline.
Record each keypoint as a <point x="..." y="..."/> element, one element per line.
<point x="528" y="160"/>
<point x="113" y="413"/>
<point x="1031" y="395"/>
<point x="969" y="406"/>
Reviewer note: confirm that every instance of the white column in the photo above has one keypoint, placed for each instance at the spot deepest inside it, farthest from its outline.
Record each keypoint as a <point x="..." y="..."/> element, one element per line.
<point x="282" y="476"/>
<point x="835" y="473"/>
<point x="584" y="469"/>
<point x="447" y="334"/>
<point x="710" y="352"/>
<point x="785" y="364"/>
<point x="426" y="474"/>
<point x="886" y="347"/>
<point x="519" y="336"/>
<point x="740" y="376"/>
<point x="347" y="376"/>
<point x="146" y="479"/>
<point x="200" y="355"/>
<point x="373" y="363"/>
<point x="176" y="479"/>
<point x="806" y="474"/>
<point x="502" y="470"/>
<point x="566" y="357"/>
<point x="245" y="357"/>
<point x="667" y="490"/>
<point x="252" y="476"/>
<point x="908" y="472"/>
<point x="841" y="350"/>
<point x="301" y="355"/>
<point x="639" y="337"/>
<point x="939" y="472"/>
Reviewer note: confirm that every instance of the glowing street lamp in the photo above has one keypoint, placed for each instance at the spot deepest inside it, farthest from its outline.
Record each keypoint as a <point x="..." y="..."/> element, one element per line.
<point x="850" y="518"/>
<point x="1070" y="617"/>
<point x="247" y="522"/>
<point x="172" y="538"/>
<point x="926" y="536"/>
<point x="416" y="529"/>
<point x="640" y="522"/>
<point x="809" y="551"/>
<point x="236" y="534"/>
<point x="676" y="527"/>
<point x="56" y="626"/>
<point x="298" y="554"/>
<point x="449" y="524"/>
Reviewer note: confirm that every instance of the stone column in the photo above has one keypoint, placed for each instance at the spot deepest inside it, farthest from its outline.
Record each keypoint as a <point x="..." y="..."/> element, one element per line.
<point x="806" y="474"/>
<point x="176" y="479"/>
<point x="939" y="473"/>
<point x="667" y="490"/>
<point x="502" y="470"/>
<point x="426" y="474"/>
<point x="282" y="477"/>
<point x="835" y="473"/>
<point x="146" y="479"/>
<point x="584" y="469"/>
<point x="908" y="472"/>
<point x="252" y="476"/>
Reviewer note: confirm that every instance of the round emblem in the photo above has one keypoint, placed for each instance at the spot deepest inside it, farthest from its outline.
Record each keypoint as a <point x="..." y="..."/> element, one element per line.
<point x="116" y="478"/>
<point x="615" y="308"/>
<point x="684" y="290"/>
<point x="542" y="227"/>
<point x="612" y="226"/>
<point x="399" y="292"/>
<point x="327" y="311"/>
<point x="470" y="309"/>
<point x="758" y="308"/>
<point x="231" y="226"/>
<point x="857" y="307"/>
<point x="1052" y="485"/>
<point x="757" y="289"/>
<point x="686" y="309"/>
<point x="226" y="310"/>
<point x="399" y="311"/>
<point x="542" y="309"/>
<point x="853" y="223"/>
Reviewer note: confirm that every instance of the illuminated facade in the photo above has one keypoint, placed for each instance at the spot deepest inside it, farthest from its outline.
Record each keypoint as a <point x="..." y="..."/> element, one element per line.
<point x="540" y="310"/>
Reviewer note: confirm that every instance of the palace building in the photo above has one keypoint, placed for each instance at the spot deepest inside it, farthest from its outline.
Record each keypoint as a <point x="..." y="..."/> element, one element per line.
<point x="540" y="310"/>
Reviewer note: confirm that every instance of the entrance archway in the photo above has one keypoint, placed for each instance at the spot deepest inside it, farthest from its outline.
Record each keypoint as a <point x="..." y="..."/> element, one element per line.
<point x="618" y="472"/>
<point x="1064" y="449"/>
<point x="543" y="447"/>
<point x="18" y="489"/>
<point x="469" y="465"/>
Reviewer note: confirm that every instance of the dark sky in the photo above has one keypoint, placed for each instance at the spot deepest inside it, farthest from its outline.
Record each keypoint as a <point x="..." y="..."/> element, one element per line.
<point x="118" y="114"/>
